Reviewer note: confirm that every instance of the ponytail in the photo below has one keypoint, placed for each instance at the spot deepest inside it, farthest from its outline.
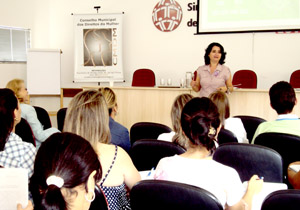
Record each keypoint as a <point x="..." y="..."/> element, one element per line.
<point x="53" y="199"/>
<point x="200" y="132"/>
<point x="200" y="121"/>
<point x="64" y="161"/>
<point x="46" y="196"/>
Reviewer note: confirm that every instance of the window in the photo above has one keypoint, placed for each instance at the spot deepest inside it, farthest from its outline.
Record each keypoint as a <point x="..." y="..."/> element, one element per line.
<point x="14" y="43"/>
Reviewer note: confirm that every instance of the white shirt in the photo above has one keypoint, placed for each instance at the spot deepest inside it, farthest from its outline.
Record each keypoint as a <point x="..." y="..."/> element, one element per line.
<point x="236" y="126"/>
<point x="166" y="136"/>
<point x="222" y="181"/>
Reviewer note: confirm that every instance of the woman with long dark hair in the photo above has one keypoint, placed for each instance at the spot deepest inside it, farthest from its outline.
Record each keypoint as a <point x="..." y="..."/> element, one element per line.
<point x="200" y="123"/>
<point x="66" y="169"/>
<point x="14" y="153"/>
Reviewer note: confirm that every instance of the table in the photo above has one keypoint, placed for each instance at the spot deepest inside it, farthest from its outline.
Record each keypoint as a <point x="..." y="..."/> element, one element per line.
<point x="153" y="104"/>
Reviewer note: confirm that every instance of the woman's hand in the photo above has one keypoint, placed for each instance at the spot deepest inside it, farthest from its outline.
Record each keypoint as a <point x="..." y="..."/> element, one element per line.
<point x="28" y="207"/>
<point x="255" y="184"/>
<point x="223" y="89"/>
<point x="193" y="83"/>
<point x="196" y="84"/>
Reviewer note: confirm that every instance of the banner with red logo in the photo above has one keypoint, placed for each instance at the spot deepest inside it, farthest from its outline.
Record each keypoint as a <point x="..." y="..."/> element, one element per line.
<point x="98" y="48"/>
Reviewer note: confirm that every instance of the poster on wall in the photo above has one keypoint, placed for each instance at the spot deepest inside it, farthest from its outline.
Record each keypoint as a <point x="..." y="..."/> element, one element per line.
<point x="98" y="48"/>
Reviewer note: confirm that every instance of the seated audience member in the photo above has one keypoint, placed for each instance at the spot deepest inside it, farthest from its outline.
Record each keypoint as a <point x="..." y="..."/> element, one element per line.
<point x="66" y="169"/>
<point x="87" y="116"/>
<point x="14" y="153"/>
<point x="29" y="113"/>
<point x="176" y="135"/>
<point x="293" y="176"/>
<point x="119" y="134"/>
<point x="283" y="99"/>
<point x="200" y="122"/>
<point x="235" y="125"/>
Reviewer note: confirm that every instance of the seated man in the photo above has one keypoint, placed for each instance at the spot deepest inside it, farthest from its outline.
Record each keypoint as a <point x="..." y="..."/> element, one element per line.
<point x="283" y="99"/>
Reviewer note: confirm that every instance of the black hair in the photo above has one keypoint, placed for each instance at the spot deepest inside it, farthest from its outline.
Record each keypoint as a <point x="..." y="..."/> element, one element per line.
<point x="208" y="50"/>
<point x="8" y="104"/>
<point x="282" y="97"/>
<point x="198" y="116"/>
<point x="67" y="156"/>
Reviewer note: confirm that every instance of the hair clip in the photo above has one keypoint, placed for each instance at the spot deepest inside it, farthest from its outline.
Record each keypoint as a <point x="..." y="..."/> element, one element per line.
<point x="55" y="180"/>
<point x="212" y="131"/>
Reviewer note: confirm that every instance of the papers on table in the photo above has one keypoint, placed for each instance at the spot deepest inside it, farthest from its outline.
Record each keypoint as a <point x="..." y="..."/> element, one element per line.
<point x="268" y="188"/>
<point x="13" y="188"/>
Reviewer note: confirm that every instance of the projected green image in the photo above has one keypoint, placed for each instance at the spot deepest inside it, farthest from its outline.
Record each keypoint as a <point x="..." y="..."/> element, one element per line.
<point x="251" y="10"/>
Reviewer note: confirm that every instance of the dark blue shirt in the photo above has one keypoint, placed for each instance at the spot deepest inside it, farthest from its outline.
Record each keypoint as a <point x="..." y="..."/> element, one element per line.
<point x="119" y="135"/>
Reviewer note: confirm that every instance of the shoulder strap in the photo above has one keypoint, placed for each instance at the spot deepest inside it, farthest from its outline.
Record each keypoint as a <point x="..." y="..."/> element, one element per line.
<point x="111" y="165"/>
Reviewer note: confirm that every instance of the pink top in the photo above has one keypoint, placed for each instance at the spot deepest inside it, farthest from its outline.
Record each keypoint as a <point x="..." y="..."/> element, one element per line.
<point x="210" y="82"/>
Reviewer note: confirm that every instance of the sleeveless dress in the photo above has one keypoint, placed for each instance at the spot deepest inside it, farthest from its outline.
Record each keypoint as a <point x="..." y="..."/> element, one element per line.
<point x="116" y="196"/>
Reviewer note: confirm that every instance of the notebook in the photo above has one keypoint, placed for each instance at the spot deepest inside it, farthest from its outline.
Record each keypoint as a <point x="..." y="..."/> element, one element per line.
<point x="13" y="188"/>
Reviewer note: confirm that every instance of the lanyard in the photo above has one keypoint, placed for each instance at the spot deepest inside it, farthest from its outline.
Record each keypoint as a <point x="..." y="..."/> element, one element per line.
<point x="287" y="119"/>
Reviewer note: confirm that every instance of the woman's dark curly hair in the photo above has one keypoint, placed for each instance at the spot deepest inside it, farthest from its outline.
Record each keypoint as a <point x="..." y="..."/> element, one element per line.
<point x="200" y="121"/>
<point x="208" y="50"/>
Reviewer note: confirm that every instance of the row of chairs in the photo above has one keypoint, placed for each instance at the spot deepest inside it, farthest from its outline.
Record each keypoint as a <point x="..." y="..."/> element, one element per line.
<point x="286" y="145"/>
<point x="248" y="79"/>
<point x="247" y="159"/>
<point x="159" y="194"/>
<point x="151" y="130"/>
<point x="146" y="154"/>
<point x="244" y="78"/>
<point x="146" y="151"/>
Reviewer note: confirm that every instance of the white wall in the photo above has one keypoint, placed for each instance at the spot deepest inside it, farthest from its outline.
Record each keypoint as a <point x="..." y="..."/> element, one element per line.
<point x="273" y="56"/>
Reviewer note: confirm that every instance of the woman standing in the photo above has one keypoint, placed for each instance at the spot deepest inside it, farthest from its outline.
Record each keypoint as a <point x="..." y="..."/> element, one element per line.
<point x="213" y="75"/>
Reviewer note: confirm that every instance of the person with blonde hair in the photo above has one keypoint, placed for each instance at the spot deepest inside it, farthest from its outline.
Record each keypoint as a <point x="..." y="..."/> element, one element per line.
<point x="29" y="113"/>
<point x="119" y="134"/>
<point x="234" y="124"/>
<point x="176" y="135"/>
<point x="87" y="116"/>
